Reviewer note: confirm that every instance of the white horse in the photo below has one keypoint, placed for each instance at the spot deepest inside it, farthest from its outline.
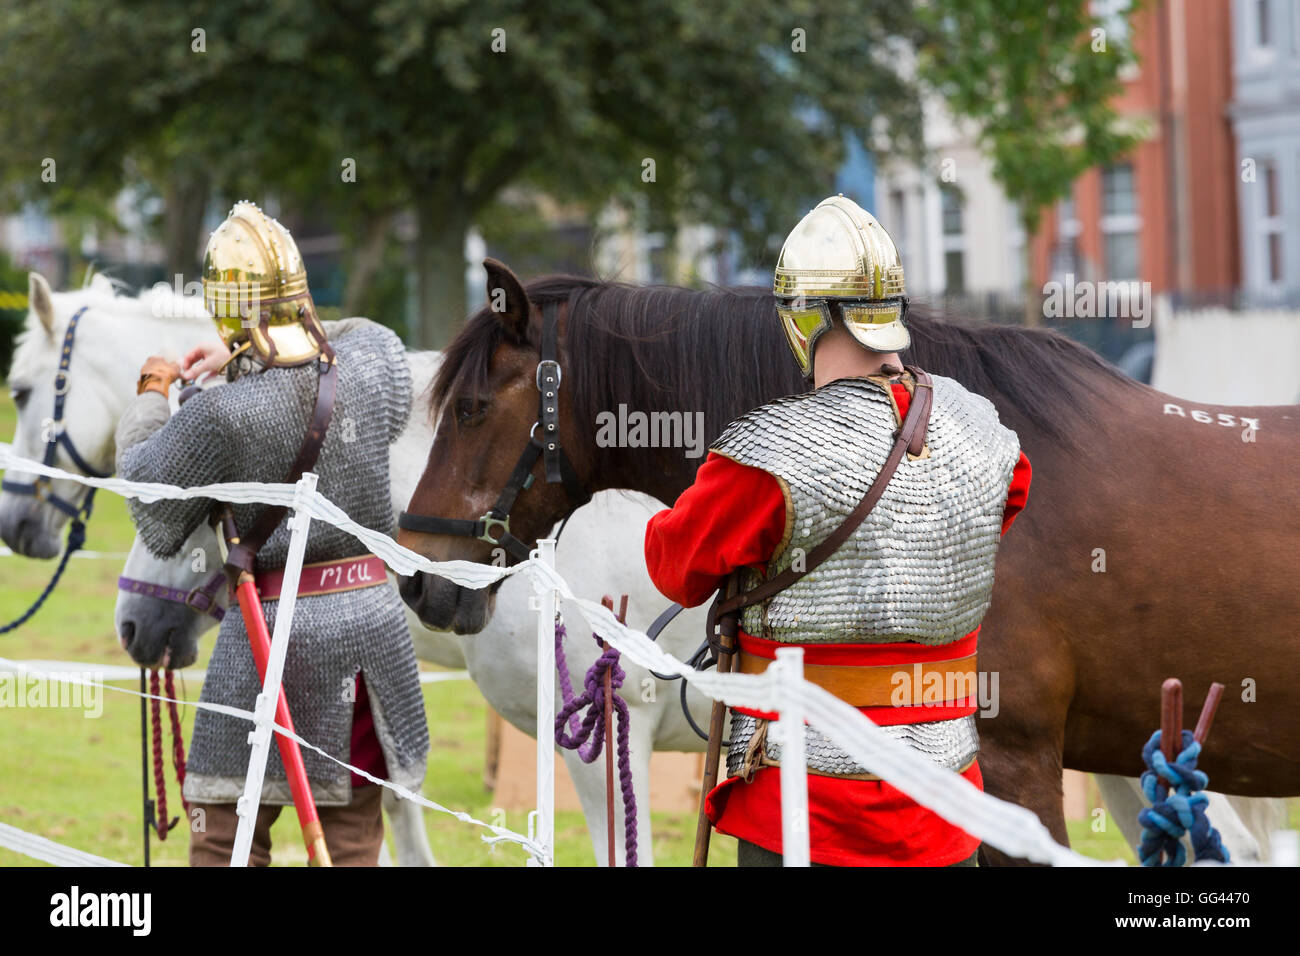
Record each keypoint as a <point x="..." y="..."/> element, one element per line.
<point x="113" y="337"/>
<point x="114" y="334"/>
<point x="600" y="551"/>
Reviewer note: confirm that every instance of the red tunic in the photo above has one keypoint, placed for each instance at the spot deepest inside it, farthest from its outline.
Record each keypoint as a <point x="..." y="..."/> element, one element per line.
<point x="734" y="516"/>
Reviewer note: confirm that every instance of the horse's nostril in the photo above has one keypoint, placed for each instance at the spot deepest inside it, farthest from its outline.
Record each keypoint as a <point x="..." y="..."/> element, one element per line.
<point x="127" y="634"/>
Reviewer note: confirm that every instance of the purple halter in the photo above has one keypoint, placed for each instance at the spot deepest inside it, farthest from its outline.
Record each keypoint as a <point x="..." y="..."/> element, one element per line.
<point x="202" y="599"/>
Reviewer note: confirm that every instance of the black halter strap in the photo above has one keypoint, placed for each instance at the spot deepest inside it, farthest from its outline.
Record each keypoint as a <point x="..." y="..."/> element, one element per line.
<point x="494" y="527"/>
<point x="40" y="488"/>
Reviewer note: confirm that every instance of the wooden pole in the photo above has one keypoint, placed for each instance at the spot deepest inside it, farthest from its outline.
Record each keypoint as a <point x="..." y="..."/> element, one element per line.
<point x="313" y="835"/>
<point x="717" y="718"/>
<point x="1171" y="718"/>
<point x="1208" y="710"/>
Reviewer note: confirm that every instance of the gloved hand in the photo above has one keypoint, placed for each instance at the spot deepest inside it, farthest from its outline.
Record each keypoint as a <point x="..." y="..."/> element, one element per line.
<point x="157" y="375"/>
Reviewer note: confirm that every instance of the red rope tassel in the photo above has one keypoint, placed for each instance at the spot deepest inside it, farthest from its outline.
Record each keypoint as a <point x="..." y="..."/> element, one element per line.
<point x="178" y="737"/>
<point x="159" y="778"/>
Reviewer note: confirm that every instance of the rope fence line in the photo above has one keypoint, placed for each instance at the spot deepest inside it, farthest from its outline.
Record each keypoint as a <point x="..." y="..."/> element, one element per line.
<point x="118" y="672"/>
<point x="1012" y="829"/>
<point x="499" y="833"/>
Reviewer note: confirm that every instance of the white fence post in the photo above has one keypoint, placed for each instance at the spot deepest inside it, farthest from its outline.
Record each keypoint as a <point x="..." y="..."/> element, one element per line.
<point x="794" y="764"/>
<point x="544" y="820"/>
<point x="260" y="736"/>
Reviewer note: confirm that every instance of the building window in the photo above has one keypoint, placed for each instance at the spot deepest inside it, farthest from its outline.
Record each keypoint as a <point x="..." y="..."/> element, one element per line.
<point x="1120" y="222"/>
<point x="954" y="240"/>
<point x="1263" y="31"/>
<point x="1271" y="224"/>
<point x="1065" y="253"/>
<point x="1118" y="195"/>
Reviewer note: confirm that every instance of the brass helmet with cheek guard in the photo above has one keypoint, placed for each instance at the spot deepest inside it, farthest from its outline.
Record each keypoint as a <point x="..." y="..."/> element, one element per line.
<point x="255" y="288"/>
<point x="839" y="262"/>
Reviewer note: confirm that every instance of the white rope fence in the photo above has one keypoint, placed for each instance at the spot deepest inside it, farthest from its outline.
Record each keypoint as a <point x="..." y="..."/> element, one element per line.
<point x="1007" y="827"/>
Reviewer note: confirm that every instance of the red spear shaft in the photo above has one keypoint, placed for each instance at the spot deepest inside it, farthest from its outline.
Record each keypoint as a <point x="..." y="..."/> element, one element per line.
<point x="290" y="754"/>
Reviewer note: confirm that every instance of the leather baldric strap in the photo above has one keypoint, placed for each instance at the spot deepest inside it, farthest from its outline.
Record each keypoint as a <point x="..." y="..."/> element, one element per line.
<point x="909" y="438"/>
<point x="243" y="553"/>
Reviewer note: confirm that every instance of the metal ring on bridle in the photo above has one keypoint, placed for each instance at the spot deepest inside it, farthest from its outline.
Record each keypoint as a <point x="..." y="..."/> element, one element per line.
<point x="489" y="521"/>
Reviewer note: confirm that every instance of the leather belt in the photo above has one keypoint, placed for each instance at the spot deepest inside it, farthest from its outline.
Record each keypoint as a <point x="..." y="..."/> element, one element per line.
<point x="885" y="685"/>
<point x="327" y="577"/>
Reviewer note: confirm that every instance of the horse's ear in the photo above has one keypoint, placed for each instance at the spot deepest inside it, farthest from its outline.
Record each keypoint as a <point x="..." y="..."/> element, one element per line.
<point x="506" y="299"/>
<point x="41" y="300"/>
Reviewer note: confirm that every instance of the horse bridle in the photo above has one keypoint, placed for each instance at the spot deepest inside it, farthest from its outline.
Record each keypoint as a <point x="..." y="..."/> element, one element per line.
<point x="494" y="526"/>
<point x="40" y="488"/>
<point x="202" y="598"/>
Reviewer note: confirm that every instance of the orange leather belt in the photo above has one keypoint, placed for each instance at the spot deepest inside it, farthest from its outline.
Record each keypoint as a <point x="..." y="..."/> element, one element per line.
<point x="327" y="577"/>
<point x="885" y="685"/>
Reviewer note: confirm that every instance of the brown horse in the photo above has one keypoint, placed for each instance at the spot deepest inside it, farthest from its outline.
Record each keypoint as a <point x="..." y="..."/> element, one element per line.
<point x="1160" y="539"/>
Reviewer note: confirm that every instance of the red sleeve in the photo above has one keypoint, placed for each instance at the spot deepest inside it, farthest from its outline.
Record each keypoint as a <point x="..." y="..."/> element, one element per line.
<point x="733" y="516"/>
<point x="1017" y="493"/>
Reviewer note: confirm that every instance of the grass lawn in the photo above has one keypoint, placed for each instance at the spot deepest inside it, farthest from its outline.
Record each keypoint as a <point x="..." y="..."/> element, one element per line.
<point x="76" y="780"/>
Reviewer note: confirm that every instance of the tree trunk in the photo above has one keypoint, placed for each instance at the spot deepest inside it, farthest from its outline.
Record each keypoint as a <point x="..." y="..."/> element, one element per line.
<point x="442" y="224"/>
<point x="365" y="261"/>
<point x="1033" y="302"/>
<point x="186" y="197"/>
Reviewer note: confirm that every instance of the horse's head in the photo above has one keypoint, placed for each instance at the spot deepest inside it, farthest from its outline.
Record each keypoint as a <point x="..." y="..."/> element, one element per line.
<point x="491" y="440"/>
<point x="33" y="510"/>
<point x="163" y="604"/>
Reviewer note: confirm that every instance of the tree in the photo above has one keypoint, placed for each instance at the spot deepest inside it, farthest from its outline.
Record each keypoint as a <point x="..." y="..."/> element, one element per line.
<point x="730" y="113"/>
<point x="1039" y="82"/>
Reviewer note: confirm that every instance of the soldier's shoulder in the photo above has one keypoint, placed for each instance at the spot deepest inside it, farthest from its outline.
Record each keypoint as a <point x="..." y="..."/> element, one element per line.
<point x="359" y="333"/>
<point x="951" y="391"/>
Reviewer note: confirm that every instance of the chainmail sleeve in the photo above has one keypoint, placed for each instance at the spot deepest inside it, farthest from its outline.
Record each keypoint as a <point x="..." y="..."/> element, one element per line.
<point x="399" y="409"/>
<point x="146" y="414"/>
<point x="190" y="449"/>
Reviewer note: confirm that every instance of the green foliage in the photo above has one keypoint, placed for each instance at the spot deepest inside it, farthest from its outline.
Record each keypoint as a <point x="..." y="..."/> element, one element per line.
<point x="13" y="281"/>
<point x="1026" y="72"/>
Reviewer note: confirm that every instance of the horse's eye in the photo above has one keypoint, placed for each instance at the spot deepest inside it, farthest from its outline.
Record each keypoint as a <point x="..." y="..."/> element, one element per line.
<point x="20" y="394"/>
<point x="470" y="411"/>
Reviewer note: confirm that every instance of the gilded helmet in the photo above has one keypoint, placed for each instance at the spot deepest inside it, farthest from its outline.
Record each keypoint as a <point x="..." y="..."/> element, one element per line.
<point x="255" y="288"/>
<point x="838" y="262"/>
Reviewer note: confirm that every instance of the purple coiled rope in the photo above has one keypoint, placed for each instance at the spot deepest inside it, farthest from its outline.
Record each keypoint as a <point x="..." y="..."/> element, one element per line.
<point x="588" y="737"/>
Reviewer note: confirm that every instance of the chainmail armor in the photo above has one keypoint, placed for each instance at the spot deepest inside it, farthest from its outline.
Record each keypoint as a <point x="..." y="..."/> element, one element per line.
<point x="250" y="430"/>
<point x="920" y="567"/>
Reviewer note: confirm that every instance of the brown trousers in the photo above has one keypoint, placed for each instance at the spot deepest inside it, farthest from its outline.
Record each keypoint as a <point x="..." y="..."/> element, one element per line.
<point x="353" y="832"/>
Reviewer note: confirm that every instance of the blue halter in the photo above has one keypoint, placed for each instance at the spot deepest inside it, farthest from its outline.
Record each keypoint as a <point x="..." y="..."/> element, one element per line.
<point x="41" y="487"/>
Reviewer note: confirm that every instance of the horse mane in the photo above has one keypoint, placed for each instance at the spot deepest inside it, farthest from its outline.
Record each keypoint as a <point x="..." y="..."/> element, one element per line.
<point x="721" y="351"/>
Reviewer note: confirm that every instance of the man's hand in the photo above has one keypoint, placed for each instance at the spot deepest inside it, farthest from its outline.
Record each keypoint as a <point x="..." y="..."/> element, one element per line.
<point x="204" y="359"/>
<point x="157" y="375"/>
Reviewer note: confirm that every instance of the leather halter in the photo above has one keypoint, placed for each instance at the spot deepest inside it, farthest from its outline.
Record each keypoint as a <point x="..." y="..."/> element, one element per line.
<point x="202" y="598"/>
<point x="494" y="526"/>
<point x="40" y="488"/>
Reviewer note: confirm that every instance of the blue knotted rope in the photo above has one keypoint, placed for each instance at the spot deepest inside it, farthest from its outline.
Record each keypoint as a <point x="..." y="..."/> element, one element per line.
<point x="1181" y="811"/>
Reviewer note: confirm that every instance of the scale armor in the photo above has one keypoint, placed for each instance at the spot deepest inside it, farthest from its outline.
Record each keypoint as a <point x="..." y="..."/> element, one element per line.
<point x="919" y="568"/>
<point x="250" y="430"/>
<point x="951" y="744"/>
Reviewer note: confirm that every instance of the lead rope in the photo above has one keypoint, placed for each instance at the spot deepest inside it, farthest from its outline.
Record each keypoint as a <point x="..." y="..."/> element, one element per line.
<point x="76" y="538"/>
<point x="588" y="737"/>
<point x="178" y="751"/>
